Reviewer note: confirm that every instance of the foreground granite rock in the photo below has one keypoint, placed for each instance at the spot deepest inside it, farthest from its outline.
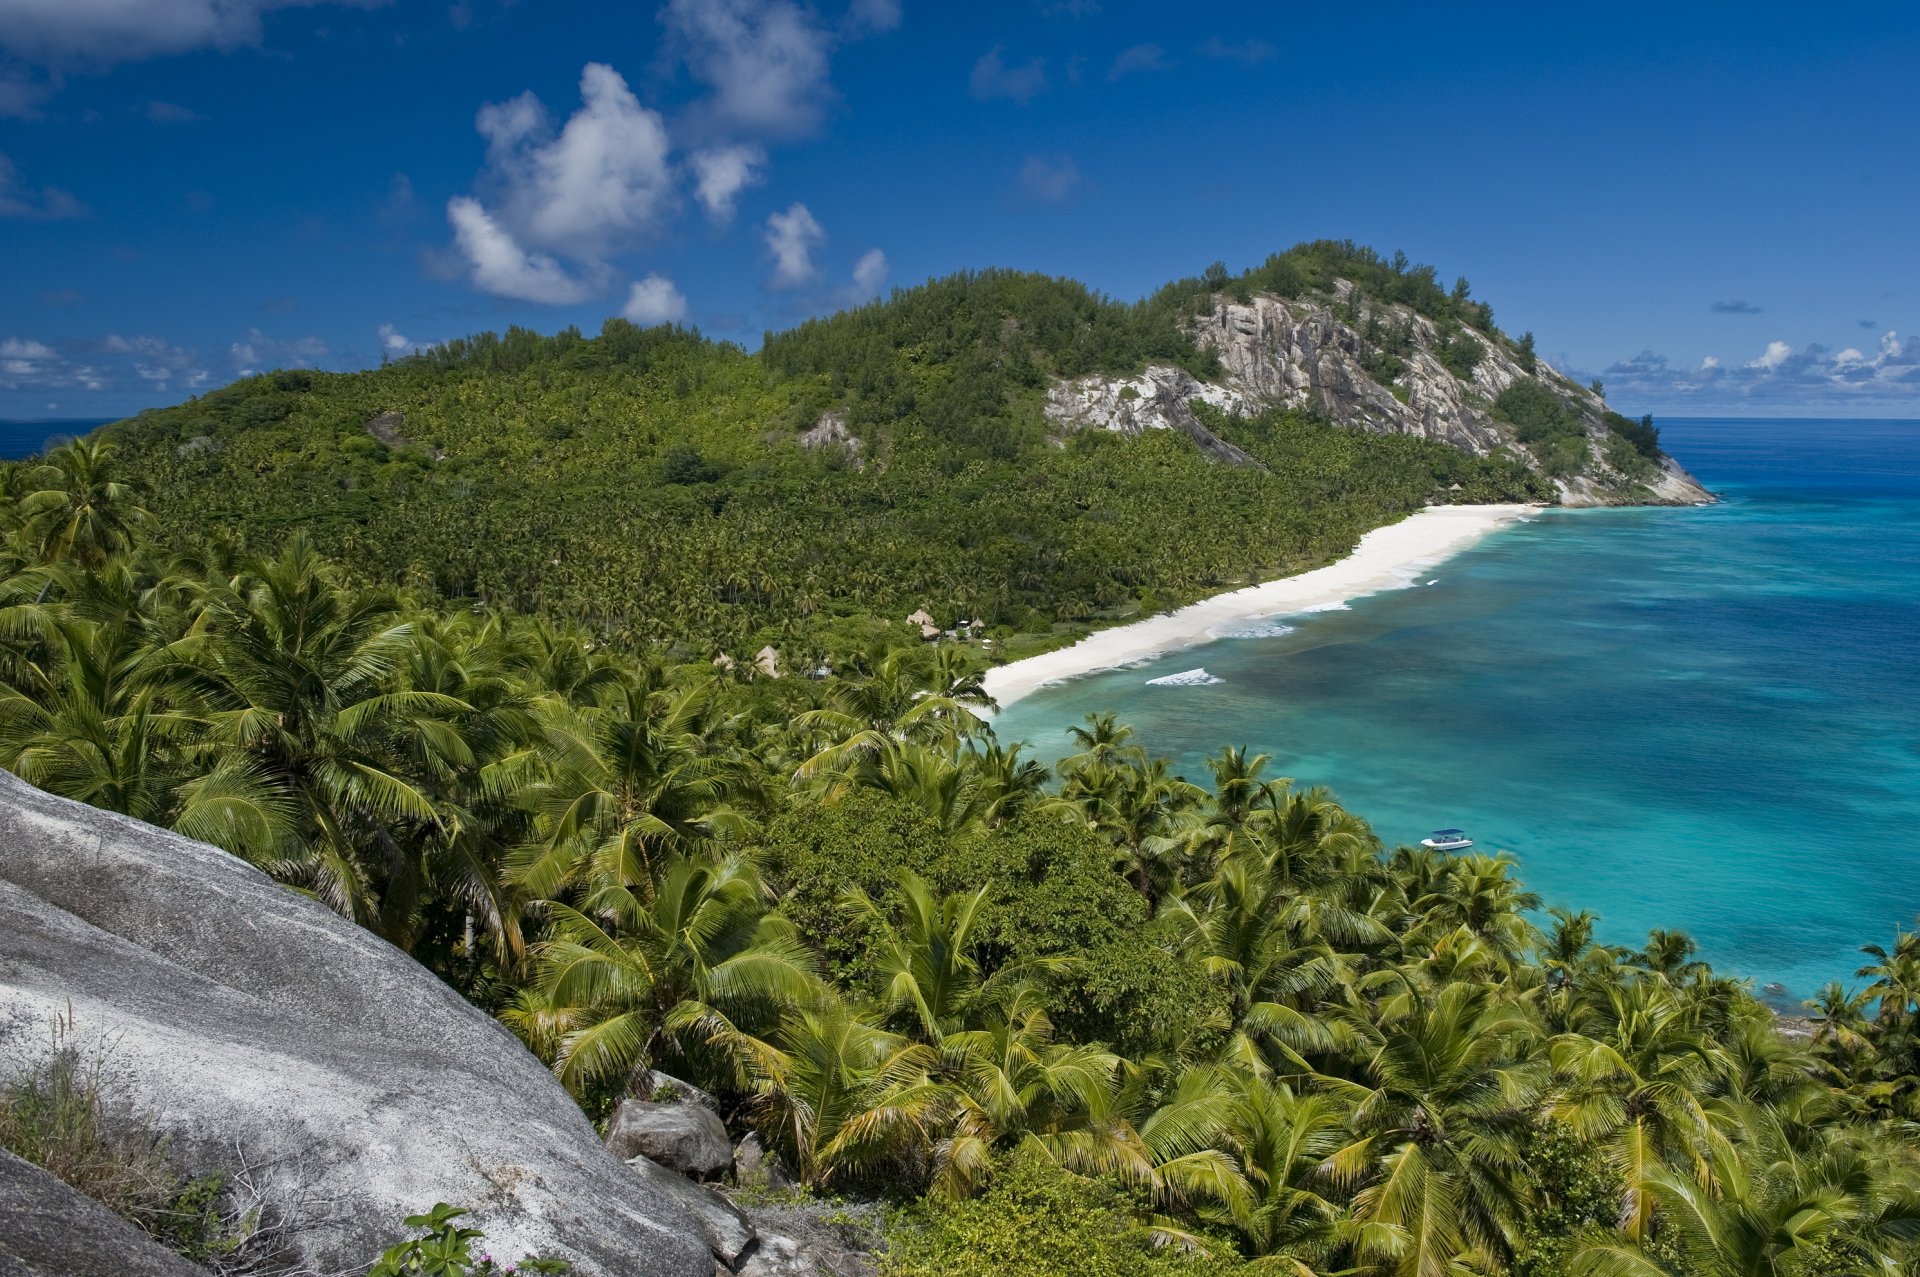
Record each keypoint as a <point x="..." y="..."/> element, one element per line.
<point x="248" y="1022"/>
<point x="49" y="1230"/>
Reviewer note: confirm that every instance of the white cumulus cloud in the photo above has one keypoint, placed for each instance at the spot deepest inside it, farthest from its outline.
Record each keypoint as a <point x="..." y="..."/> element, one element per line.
<point x="603" y="181"/>
<point x="1709" y="363"/>
<point x="393" y="341"/>
<point x="792" y="236"/>
<point x="870" y="273"/>
<point x="720" y="173"/>
<point x="654" y="300"/>
<point x="500" y="266"/>
<point x="1776" y="353"/>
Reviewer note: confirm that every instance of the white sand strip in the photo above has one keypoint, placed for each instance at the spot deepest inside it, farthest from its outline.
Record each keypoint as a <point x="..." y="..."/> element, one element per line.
<point x="1385" y="559"/>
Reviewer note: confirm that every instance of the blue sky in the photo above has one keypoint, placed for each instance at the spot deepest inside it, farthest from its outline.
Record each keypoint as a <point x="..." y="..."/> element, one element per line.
<point x="1710" y="207"/>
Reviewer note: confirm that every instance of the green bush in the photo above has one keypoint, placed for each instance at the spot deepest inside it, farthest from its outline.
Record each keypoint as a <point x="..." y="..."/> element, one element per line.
<point x="1545" y="423"/>
<point x="1035" y="1220"/>
<point x="1643" y="435"/>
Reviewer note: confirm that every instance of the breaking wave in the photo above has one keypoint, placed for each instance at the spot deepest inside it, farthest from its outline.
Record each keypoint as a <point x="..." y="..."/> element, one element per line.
<point x="1185" y="678"/>
<point x="1253" y="630"/>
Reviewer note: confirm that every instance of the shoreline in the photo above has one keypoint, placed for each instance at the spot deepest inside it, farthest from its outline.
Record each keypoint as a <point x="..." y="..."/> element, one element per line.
<point x="1384" y="559"/>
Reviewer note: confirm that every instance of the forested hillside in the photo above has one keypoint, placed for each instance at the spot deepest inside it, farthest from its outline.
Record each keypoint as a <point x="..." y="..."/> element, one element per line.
<point x="655" y="485"/>
<point x="1108" y="1020"/>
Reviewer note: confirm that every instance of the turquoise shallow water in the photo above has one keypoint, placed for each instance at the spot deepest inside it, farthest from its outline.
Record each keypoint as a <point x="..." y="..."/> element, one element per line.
<point x="1706" y="719"/>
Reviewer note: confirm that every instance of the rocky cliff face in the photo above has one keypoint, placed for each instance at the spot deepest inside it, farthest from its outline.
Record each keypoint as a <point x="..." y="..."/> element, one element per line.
<point x="1312" y="355"/>
<point x="251" y="1024"/>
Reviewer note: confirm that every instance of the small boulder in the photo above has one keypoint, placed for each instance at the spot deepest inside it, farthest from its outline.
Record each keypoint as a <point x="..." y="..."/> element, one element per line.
<point x="665" y="1088"/>
<point x="681" y="1137"/>
<point x="751" y="1163"/>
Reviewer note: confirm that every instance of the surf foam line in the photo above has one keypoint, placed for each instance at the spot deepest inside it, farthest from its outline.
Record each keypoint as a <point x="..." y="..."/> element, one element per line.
<point x="1388" y="558"/>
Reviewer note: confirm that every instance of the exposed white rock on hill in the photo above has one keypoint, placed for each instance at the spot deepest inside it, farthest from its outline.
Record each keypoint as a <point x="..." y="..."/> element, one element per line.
<point x="1310" y="355"/>
<point x="246" y="1019"/>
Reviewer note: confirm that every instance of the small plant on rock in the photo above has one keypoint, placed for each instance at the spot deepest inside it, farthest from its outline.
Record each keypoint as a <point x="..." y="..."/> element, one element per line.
<point x="445" y="1249"/>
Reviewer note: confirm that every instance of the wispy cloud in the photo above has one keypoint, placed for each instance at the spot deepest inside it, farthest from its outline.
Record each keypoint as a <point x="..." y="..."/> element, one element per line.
<point x="1734" y="308"/>
<point x="1814" y="376"/>
<point x="47" y="204"/>
<point x="1049" y="179"/>
<point x="159" y="112"/>
<point x="993" y="77"/>
<point x="1141" y="57"/>
<point x="1245" y="52"/>
<point x="94" y="33"/>
<point x="258" y="351"/>
<point x="765" y="61"/>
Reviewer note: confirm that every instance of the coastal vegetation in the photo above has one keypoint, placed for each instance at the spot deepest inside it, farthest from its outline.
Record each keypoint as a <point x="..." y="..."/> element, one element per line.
<point x="1098" y="1017"/>
<point x="657" y="488"/>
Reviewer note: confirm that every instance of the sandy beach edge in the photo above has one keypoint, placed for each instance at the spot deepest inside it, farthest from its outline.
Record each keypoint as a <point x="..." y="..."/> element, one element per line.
<point x="1386" y="558"/>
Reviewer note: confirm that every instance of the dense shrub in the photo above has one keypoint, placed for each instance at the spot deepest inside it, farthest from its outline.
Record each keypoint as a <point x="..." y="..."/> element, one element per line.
<point x="1035" y="1220"/>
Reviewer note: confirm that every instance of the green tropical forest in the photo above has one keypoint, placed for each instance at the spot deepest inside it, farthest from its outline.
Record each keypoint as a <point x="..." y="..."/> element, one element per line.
<point x="1095" y="1019"/>
<point x="655" y="487"/>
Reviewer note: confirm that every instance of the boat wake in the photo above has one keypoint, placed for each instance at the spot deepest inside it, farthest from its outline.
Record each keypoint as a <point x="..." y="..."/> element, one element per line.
<point x="1185" y="678"/>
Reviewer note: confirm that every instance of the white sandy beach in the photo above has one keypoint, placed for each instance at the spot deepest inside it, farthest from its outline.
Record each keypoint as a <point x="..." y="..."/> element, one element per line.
<point x="1385" y="559"/>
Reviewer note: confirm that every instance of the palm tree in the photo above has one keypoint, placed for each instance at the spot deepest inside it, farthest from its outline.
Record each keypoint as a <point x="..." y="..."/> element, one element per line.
<point x="299" y="676"/>
<point x="1669" y="954"/>
<point x="1438" y="1158"/>
<point x="1142" y="809"/>
<point x="1282" y="1142"/>
<point x="906" y="696"/>
<point x="1635" y="1070"/>
<point x="1238" y="928"/>
<point x="1104" y="741"/>
<point x="1765" y="1208"/>
<point x="690" y="970"/>
<point x="630" y="782"/>
<point x="1480" y="895"/>
<point x="926" y="971"/>
<point x="838" y="1096"/>
<point x="1008" y="784"/>
<point x="81" y="509"/>
<point x="1011" y="1082"/>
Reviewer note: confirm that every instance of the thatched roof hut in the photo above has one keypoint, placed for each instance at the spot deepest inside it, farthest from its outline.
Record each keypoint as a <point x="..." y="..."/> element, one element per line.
<point x="920" y="618"/>
<point x="928" y="630"/>
<point x="768" y="660"/>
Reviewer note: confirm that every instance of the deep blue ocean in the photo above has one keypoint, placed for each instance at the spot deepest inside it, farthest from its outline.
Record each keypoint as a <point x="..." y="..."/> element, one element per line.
<point x="1704" y="718"/>
<point x="25" y="438"/>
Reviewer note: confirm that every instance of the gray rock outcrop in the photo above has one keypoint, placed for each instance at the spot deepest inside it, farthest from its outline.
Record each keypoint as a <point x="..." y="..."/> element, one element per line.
<point x="238" y="1015"/>
<point x="688" y="1138"/>
<point x="49" y="1230"/>
<point x="1311" y="355"/>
